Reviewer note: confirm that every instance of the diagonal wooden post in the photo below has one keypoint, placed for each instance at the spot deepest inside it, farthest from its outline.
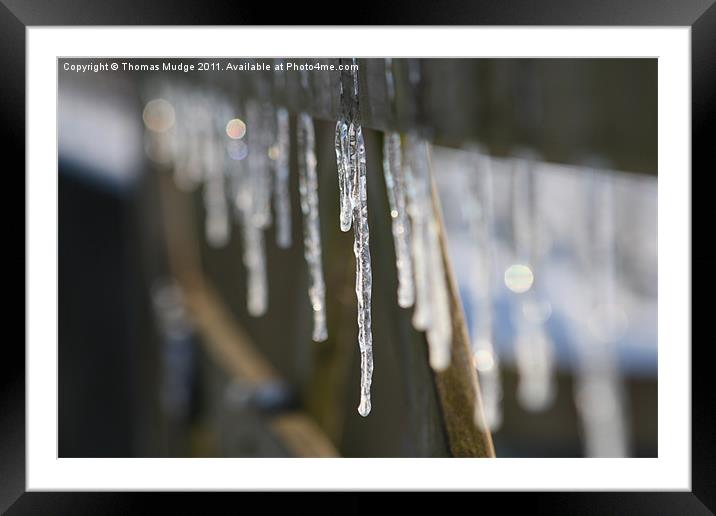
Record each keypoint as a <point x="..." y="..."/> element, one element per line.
<point x="458" y="386"/>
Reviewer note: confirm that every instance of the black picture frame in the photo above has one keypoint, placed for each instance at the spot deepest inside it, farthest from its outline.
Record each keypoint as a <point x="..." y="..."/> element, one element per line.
<point x="700" y="15"/>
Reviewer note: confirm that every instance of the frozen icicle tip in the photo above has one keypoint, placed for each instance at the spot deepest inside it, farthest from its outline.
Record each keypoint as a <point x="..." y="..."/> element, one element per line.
<point x="440" y="361"/>
<point x="535" y="395"/>
<point x="420" y="319"/>
<point x="283" y="243"/>
<point x="256" y="308"/>
<point x="480" y="419"/>
<point x="217" y="231"/>
<point x="364" y="406"/>
<point x="405" y="302"/>
<point x="487" y="421"/>
<point x="320" y="334"/>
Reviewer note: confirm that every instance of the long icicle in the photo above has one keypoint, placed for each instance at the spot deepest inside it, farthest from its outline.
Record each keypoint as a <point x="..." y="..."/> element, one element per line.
<point x="282" y="199"/>
<point x="534" y="350"/>
<point x="255" y="263"/>
<point x="253" y="217"/>
<point x="479" y="210"/>
<point x="440" y="332"/>
<point x="351" y="163"/>
<point x="395" y="186"/>
<point x="215" y="202"/>
<point x="364" y="280"/>
<point x="432" y="311"/>
<point x="417" y="213"/>
<point x="308" y="186"/>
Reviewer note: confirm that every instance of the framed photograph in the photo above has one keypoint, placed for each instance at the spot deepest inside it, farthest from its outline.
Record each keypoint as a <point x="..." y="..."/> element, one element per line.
<point x="359" y="258"/>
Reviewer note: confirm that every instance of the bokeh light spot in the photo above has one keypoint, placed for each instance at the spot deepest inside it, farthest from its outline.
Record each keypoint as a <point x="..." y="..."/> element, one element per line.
<point x="237" y="150"/>
<point x="235" y="129"/>
<point x="519" y="278"/>
<point x="158" y="115"/>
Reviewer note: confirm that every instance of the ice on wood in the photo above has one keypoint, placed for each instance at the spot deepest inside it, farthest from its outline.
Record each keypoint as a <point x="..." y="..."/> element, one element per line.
<point x="308" y="186"/>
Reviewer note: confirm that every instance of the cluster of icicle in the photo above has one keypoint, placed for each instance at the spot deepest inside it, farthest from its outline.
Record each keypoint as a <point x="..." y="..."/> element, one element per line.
<point x="418" y="255"/>
<point x="253" y="160"/>
<point x="353" y="205"/>
<point x="204" y="155"/>
<point x="245" y="173"/>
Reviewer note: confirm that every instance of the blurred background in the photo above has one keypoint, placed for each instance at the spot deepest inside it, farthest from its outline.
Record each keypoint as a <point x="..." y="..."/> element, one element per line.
<point x="544" y="173"/>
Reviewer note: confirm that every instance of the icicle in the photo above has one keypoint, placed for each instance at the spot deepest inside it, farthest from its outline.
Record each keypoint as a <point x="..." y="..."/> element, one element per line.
<point x="364" y="281"/>
<point x="418" y="227"/>
<point x="599" y="387"/>
<point x="341" y="145"/>
<point x="282" y="199"/>
<point x="215" y="202"/>
<point x="308" y="186"/>
<point x="188" y="162"/>
<point x="395" y="185"/>
<point x="479" y="214"/>
<point x="255" y="262"/>
<point x="440" y="331"/>
<point x="432" y="311"/>
<point x="351" y="163"/>
<point x="533" y="347"/>
<point x="256" y="187"/>
<point x="267" y="130"/>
